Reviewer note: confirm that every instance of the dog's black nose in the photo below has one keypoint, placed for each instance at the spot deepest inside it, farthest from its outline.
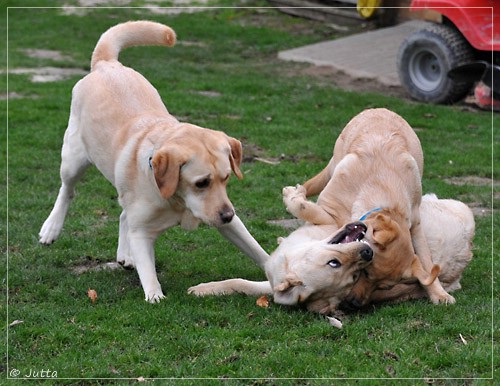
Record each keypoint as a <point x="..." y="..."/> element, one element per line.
<point x="366" y="253"/>
<point x="226" y="214"/>
<point x="351" y="304"/>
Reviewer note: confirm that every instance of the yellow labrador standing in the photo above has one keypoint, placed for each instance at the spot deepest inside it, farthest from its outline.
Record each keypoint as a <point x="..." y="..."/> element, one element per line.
<point x="166" y="172"/>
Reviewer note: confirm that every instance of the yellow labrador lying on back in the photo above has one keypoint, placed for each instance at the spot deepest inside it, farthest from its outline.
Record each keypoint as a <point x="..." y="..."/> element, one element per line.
<point x="300" y="272"/>
<point x="166" y="172"/>
<point x="315" y="266"/>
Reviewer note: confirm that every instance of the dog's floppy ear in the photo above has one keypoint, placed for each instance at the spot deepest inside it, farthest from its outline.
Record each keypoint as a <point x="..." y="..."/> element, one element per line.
<point x="235" y="156"/>
<point x="418" y="271"/>
<point x="284" y="292"/>
<point x="291" y="280"/>
<point x="166" y="167"/>
<point x="384" y="231"/>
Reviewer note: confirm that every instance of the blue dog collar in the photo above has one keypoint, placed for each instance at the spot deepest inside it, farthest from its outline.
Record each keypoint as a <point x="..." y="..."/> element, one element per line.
<point x="363" y="217"/>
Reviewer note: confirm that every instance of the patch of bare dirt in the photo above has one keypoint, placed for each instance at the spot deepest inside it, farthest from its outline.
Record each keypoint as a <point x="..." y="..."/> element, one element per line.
<point x="45" y="54"/>
<point x="477" y="208"/>
<point x="254" y="153"/>
<point x="210" y="94"/>
<point x="471" y="180"/>
<point x="14" y="95"/>
<point x="177" y="7"/>
<point x="289" y="223"/>
<point x="346" y="82"/>
<point x="91" y="264"/>
<point x="48" y="74"/>
<point x="274" y="19"/>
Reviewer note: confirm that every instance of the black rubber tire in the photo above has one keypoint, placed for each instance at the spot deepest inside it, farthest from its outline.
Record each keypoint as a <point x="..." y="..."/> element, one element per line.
<point x="424" y="59"/>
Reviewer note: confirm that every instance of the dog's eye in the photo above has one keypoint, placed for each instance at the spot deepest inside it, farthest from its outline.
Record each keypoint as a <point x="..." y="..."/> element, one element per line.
<point x="203" y="183"/>
<point x="334" y="263"/>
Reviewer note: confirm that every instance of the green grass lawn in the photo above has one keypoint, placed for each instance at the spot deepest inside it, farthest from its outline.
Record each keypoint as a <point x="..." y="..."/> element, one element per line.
<point x="278" y="113"/>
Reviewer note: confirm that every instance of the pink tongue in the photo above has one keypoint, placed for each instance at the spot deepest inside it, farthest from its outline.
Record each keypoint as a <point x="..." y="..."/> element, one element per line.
<point x="348" y="239"/>
<point x="352" y="236"/>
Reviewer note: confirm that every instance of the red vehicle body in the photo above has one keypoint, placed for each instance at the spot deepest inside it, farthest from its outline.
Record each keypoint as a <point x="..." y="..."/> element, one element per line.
<point x="441" y="62"/>
<point x="475" y="19"/>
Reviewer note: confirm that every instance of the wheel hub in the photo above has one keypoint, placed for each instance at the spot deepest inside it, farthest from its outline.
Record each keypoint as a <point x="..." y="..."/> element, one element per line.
<point x="425" y="70"/>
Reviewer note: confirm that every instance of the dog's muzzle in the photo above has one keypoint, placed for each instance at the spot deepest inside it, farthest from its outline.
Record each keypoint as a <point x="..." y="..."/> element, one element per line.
<point x="226" y="214"/>
<point x="366" y="253"/>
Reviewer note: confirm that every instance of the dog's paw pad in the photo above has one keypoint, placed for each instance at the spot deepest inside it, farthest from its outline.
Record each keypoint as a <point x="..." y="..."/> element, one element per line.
<point x="448" y="300"/>
<point x="294" y="191"/>
<point x="49" y="233"/>
<point x="208" y="289"/>
<point x="195" y="291"/>
<point x="443" y="299"/>
<point x="154" y="296"/>
<point x="199" y="290"/>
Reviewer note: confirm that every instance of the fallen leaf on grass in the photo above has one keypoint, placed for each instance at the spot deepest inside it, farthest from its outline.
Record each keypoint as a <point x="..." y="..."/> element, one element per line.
<point x="92" y="294"/>
<point x="16" y="322"/>
<point x="334" y="322"/>
<point x="263" y="301"/>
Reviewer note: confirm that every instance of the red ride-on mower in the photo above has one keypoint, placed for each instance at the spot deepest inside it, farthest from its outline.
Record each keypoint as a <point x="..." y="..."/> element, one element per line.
<point x="441" y="62"/>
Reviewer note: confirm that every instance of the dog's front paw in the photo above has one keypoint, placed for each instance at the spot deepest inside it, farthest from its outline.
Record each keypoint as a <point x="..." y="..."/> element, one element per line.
<point x="154" y="296"/>
<point x="212" y="288"/>
<point x="442" y="298"/>
<point x="49" y="232"/>
<point x="294" y="192"/>
<point x="438" y="295"/>
<point x="294" y="198"/>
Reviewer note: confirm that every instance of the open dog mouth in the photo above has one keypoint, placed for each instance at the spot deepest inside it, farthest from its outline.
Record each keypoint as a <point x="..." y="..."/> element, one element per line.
<point x="351" y="233"/>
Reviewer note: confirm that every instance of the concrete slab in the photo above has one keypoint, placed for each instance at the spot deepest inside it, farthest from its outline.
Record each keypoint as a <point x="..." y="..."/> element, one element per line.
<point x="369" y="54"/>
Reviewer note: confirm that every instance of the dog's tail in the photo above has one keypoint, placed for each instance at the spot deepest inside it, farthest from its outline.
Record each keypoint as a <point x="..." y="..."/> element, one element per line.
<point x="132" y="33"/>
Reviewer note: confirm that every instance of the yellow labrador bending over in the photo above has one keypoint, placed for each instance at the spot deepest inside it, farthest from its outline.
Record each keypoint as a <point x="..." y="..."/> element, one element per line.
<point x="375" y="175"/>
<point x="166" y="172"/>
<point x="321" y="284"/>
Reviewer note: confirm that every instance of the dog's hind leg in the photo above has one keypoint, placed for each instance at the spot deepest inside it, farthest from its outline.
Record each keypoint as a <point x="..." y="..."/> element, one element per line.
<point x="230" y="286"/>
<point x="74" y="162"/>
<point x="316" y="184"/>
<point x="436" y="292"/>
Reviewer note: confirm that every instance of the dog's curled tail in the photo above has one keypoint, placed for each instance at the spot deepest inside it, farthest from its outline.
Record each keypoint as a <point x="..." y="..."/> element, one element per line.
<point x="129" y="34"/>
